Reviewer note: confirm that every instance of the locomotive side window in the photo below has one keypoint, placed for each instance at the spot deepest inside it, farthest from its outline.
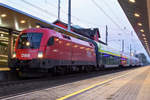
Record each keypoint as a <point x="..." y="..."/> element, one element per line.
<point x="67" y="37"/>
<point x="50" y="41"/>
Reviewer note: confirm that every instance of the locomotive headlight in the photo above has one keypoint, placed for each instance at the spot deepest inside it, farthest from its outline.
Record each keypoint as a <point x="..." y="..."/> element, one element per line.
<point x="27" y="43"/>
<point x="40" y="54"/>
<point x="14" y="55"/>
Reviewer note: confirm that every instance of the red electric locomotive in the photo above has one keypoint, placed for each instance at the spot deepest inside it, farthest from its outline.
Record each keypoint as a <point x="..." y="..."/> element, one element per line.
<point x="43" y="50"/>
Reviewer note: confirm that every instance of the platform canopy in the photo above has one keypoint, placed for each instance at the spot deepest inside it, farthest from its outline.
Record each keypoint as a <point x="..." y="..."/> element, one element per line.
<point x="138" y="13"/>
<point x="11" y="18"/>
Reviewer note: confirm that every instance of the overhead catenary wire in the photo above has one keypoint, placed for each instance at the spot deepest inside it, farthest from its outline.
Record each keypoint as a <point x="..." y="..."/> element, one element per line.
<point x="82" y="20"/>
<point x="107" y="15"/>
<point x="78" y="19"/>
<point x="131" y="33"/>
<point x="37" y="7"/>
<point x="73" y="17"/>
<point x="111" y="19"/>
<point x="42" y="9"/>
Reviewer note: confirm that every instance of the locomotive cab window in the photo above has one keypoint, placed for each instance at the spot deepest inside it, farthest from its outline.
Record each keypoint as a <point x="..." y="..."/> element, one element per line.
<point x="50" y="41"/>
<point x="29" y="40"/>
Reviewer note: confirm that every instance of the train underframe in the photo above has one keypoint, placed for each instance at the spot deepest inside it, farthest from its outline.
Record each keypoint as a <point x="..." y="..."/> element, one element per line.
<point x="43" y="66"/>
<point x="38" y="67"/>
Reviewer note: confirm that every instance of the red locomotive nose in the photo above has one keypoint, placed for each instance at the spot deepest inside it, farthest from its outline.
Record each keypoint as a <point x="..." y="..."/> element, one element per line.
<point x="26" y="54"/>
<point x="29" y="45"/>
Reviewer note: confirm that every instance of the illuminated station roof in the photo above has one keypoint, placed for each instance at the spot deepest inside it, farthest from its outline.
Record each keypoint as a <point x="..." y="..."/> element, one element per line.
<point x="12" y="18"/>
<point x="138" y="13"/>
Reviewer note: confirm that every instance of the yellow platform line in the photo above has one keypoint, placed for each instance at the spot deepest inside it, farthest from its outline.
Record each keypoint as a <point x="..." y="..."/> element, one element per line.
<point x="5" y="69"/>
<point x="90" y="87"/>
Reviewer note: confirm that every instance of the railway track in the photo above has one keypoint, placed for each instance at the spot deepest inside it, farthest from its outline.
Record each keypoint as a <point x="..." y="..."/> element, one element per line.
<point x="12" y="88"/>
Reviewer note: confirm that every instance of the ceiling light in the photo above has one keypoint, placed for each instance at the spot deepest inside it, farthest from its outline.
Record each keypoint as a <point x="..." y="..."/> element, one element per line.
<point x="145" y="41"/>
<point x="143" y="35"/>
<point x="4" y="42"/>
<point x="2" y="35"/>
<point x="132" y="1"/>
<point x="136" y="15"/>
<point x="144" y="38"/>
<point x="142" y="30"/>
<point x="3" y="15"/>
<point x="22" y="21"/>
<point x="139" y="24"/>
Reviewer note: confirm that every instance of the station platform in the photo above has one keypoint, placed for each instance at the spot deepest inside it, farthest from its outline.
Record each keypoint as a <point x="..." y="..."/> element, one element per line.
<point x="133" y="84"/>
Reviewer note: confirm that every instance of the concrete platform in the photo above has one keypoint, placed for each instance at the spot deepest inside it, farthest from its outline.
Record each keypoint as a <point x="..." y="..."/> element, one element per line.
<point x="126" y="85"/>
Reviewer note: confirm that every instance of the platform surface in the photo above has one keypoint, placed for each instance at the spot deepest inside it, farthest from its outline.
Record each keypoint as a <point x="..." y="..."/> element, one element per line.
<point x="126" y="85"/>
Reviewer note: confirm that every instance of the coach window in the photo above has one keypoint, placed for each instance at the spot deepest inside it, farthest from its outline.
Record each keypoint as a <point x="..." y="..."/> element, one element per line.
<point x="105" y="58"/>
<point x="110" y="60"/>
<point x="115" y="60"/>
<point x="118" y="60"/>
<point x="50" y="41"/>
